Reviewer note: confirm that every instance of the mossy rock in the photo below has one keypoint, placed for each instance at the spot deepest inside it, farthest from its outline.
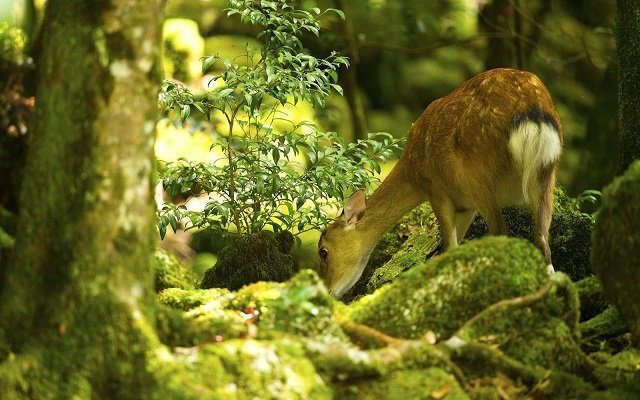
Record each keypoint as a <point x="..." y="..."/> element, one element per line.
<point x="429" y="383"/>
<point x="187" y="299"/>
<point x="300" y="306"/>
<point x="262" y="256"/>
<point x="442" y="293"/>
<point x="418" y="248"/>
<point x="602" y="332"/>
<point x="193" y="317"/>
<point x="172" y="273"/>
<point x="570" y="233"/>
<point x="592" y="299"/>
<point x="620" y="375"/>
<point x="240" y="369"/>
<point x="615" y="252"/>
<point x="200" y="325"/>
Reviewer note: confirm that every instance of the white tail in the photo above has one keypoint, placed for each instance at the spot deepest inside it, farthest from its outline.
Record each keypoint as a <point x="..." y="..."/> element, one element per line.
<point x="494" y="141"/>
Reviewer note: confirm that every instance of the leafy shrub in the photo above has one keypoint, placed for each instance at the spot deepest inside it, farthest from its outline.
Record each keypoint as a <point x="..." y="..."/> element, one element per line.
<point x="268" y="178"/>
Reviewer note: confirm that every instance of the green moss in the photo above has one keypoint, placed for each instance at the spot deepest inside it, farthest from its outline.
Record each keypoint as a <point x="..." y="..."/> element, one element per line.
<point x="252" y="258"/>
<point x="621" y="375"/>
<point x="171" y="272"/>
<point x="197" y="316"/>
<point x="570" y="233"/>
<point x="429" y="383"/>
<point x="592" y="300"/>
<point x="443" y="292"/>
<point x="203" y="324"/>
<point x="616" y="245"/>
<point x="544" y="333"/>
<point x="301" y="306"/>
<point x="240" y="369"/>
<point x="600" y="332"/>
<point x="101" y="354"/>
<point x="416" y="249"/>
<point x="188" y="299"/>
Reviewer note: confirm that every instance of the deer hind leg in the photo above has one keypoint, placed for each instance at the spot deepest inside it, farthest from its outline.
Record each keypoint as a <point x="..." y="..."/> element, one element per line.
<point x="445" y="213"/>
<point x="463" y="219"/>
<point x="541" y="199"/>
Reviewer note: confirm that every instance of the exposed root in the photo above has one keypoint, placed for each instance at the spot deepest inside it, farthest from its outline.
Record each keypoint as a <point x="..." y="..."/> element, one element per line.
<point x="390" y="350"/>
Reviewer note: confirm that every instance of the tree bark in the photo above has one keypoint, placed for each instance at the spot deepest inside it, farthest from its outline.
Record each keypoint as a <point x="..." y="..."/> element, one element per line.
<point x="627" y="42"/>
<point x="79" y="286"/>
<point x="358" y="119"/>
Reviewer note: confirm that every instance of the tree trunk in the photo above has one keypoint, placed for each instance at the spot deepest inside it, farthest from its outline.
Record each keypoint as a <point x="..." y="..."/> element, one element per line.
<point x="627" y="42"/>
<point x="78" y="292"/>
<point x="358" y="119"/>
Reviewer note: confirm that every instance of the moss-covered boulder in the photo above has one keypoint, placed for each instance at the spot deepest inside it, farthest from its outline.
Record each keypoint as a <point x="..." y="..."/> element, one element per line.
<point x="185" y="300"/>
<point x="300" y="306"/>
<point x="192" y="317"/>
<point x="172" y="273"/>
<point x="262" y="256"/>
<point x="239" y="369"/>
<point x="615" y="251"/>
<point x="592" y="299"/>
<point x="440" y="294"/>
<point x="428" y="383"/>
<point x="604" y="332"/>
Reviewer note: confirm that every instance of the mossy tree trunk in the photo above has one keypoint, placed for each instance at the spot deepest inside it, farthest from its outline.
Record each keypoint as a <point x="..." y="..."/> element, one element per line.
<point x="628" y="45"/>
<point x="78" y="295"/>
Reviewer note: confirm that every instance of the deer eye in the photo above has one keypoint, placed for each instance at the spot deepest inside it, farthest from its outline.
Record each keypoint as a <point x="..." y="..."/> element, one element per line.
<point x="323" y="252"/>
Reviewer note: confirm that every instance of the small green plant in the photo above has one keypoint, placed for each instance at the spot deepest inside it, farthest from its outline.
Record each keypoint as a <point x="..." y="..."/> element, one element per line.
<point x="588" y="202"/>
<point x="287" y="179"/>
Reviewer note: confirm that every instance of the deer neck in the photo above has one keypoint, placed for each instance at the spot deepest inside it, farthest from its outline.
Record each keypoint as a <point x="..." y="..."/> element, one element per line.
<point x="395" y="197"/>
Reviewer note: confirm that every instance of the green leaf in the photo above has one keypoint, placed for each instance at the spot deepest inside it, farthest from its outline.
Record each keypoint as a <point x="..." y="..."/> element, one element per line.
<point x="185" y="111"/>
<point x="337" y="11"/>
<point x="208" y="62"/>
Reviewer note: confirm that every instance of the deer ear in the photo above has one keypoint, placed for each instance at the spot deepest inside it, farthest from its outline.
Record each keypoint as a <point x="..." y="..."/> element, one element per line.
<point x="354" y="208"/>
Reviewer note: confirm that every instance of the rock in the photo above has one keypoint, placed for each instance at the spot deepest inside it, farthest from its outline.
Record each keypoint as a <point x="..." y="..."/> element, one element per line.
<point x="428" y="383"/>
<point x="171" y="272"/>
<point x="240" y="369"/>
<point x="442" y="293"/>
<point x="250" y="259"/>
